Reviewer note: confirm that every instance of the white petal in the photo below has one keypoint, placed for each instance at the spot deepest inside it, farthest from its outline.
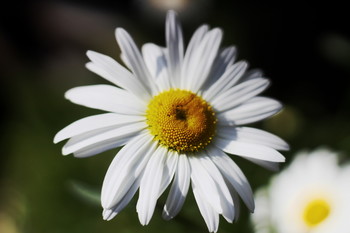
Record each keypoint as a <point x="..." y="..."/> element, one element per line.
<point x="205" y="183"/>
<point x="202" y="60"/>
<point x="251" y="74"/>
<point x="108" y="214"/>
<point x="155" y="60"/>
<point x="135" y="60"/>
<point x="150" y="185"/>
<point x="239" y="93"/>
<point x="229" y="78"/>
<point x="252" y="135"/>
<point x="174" y="42"/>
<point x="95" y="137"/>
<point x="169" y="170"/>
<point x="209" y="215"/>
<point x="179" y="188"/>
<point x="125" y="168"/>
<point x="250" y="150"/>
<point x="223" y="61"/>
<point x="224" y="193"/>
<point x="265" y="164"/>
<point x="197" y="37"/>
<point x="106" y="98"/>
<point x="125" y="60"/>
<point x="101" y="147"/>
<point x="236" y="201"/>
<point x="112" y="71"/>
<point x="255" y="109"/>
<point x="90" y="123"/>
<point x="233" y="175"/>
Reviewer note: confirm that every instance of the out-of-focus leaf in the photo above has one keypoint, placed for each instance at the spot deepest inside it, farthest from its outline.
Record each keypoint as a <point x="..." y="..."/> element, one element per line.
<point x="85" y="192"/>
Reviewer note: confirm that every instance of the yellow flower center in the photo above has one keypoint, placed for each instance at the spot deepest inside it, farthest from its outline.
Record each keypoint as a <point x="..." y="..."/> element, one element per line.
<point x="316" y="212"/>
<point x="181" y="120"/>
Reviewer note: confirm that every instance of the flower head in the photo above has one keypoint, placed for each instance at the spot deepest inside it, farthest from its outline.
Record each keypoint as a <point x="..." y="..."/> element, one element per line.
<point x="310" y="196"/>
<point x="177" y="113"/>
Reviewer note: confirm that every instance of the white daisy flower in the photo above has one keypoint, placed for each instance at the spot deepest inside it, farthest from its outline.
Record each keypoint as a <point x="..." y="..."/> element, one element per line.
<point x="311" y="196"/>
<point x="177" y="113"/>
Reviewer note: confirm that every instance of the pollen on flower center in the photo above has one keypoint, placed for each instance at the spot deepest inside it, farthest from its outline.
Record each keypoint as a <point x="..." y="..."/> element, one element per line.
<point x="181" y="120"/>
<point x="316" y="212"/>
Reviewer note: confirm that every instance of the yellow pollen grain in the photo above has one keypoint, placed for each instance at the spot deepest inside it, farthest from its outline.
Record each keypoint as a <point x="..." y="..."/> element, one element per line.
<point x="316" y="212"/>
<point x="181" y="120"/>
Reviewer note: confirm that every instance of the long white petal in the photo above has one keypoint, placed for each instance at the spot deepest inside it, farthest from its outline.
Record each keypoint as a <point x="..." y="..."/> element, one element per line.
<point x="106" y="98"/>
<point x="203" y="58"/>
<point x="236" y="201"/>
<point x="222" y="62"/>
<point x="150" y="185"/>
<point x="102" y="146"/>
<point x="112" y="71"/>
<point x="95" y="137"/>
<point x="179" y="188"/>
<point x="169" y="170"/>
<point x="255" y="109"/>
<point x="208" y="213"/>
<point x="197" y="37"/>
<point x="239" y="93"/>
<point x="252" y="135"/>
<point x="125" y="61"/>
<point x="251" y="74"/>
<point x="250" y="150"/>
<point x="265" y="164"/>
<point x="224" y="193"/>
<point x="125" y="168"/>
<point x="135" y="60"/>
<point x="229" y="78"/>
<point x="90" y="123"/>
<point x="233" y="175"/>
<point x="108" y="214"/>
<point x="174" y="42"/>
<point x="205" y="183"/>
<point x="155" y="60"/>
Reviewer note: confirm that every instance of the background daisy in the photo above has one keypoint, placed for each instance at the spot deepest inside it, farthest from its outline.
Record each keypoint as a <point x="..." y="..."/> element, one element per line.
<point x="311" y="195"/>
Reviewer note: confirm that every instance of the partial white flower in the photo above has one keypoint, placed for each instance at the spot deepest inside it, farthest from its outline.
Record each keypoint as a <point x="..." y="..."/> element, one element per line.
<point x="177" y="113"/>
<point x="312" y="195"/>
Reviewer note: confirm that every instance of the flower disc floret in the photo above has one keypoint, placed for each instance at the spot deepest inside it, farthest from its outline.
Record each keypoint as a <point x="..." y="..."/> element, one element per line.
<point x="181" y="120"/>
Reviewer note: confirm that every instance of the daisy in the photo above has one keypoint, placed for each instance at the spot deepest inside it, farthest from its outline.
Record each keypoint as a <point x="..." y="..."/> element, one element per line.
<point x="311" y="196"/>
<point x="178" y="114"/>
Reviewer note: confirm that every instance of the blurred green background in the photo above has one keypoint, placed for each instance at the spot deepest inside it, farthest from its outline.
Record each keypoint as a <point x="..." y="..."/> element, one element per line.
<point x="303" y="48"/>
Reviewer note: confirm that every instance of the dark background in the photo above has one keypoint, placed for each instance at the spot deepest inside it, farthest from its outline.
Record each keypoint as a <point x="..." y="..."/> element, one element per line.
<point x="303" y="48"/>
